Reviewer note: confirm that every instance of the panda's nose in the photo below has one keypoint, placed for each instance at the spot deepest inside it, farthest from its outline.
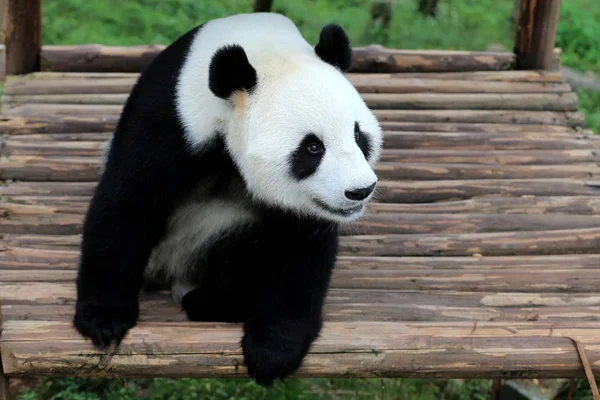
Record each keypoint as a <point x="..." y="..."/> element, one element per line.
<point x="360" y="194"/>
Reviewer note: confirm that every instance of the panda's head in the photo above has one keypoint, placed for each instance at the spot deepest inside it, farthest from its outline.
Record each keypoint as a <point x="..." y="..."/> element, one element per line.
<point x="299" y="132"/>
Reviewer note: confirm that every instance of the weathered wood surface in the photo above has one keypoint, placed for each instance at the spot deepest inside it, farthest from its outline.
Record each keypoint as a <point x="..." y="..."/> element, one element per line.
<point x="536" y="34"/>
<point x="345" y="349"/>
<point x="370" y="59"/>
<point x="478" y="258"/>
<point x="22" y="25"/>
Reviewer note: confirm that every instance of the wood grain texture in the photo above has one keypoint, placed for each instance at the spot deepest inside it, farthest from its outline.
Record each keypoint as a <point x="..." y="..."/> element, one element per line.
<point x="372" y="59"/>
<point x="23" y="30"/>
<point x="478" y="256"/>
<point x="345" y="349"/>
<point x="536" y="34"/>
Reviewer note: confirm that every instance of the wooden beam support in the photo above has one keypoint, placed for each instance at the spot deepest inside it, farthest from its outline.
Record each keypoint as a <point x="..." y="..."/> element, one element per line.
<point x="23" y="36"/>
<point x="536" y="34"/>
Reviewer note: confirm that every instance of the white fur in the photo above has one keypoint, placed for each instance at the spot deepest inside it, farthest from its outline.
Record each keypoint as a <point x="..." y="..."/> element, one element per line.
<point x="297" y="93"/>
<point x="192" y="228"/>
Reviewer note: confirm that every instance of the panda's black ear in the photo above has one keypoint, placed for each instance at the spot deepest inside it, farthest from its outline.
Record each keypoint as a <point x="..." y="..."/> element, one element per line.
<point x="230" y="70"/>
<point x="334" y="47"/>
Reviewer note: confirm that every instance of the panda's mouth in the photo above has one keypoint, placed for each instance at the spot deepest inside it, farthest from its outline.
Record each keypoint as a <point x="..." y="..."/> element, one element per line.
<point x="344" y="212"/>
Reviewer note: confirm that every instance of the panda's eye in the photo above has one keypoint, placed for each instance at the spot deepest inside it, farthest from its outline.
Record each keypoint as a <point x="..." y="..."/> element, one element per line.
<point x="356" y="135"/>
<point x="314" y="147"/>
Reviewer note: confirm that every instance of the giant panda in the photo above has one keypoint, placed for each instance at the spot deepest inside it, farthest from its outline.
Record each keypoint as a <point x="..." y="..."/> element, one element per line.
<point x="237" y="155"/>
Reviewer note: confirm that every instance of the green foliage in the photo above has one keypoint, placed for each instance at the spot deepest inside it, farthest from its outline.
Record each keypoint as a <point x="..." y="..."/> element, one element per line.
<point x="245" y="389"/>
<point x="578" y="34"/>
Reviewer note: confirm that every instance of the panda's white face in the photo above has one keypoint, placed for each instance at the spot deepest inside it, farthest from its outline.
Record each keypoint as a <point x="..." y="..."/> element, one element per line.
<point x="299" y="132"/>
<point x="306" y="141"/>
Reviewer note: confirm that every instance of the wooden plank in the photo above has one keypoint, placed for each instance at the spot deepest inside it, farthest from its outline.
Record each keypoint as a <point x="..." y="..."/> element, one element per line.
<point x="346" y="305"/>
<point x="467" y="101"/>
<point x="85" y="169"/>
<point x="408" y="101"/>
<point x="487" y="157"/>
<point x="528" y="205"/>
<point x="547" y="76"/>
<point x="26" y="219"/>
<point x="344" y="349"/>
<point x="536" y="34"/>
<point x="492" y="141"/>
<point x="387" y="192"/>
<point x="369" y="83"/>
<point x="485" y="101"/>
<point x="23" y="36"/>
<point x="98" y="58"/>
<point x="490" y="244"/>
<point x="475" y="280"/>
<point x="568" y="241"/>
<point x="432" y="191"/>
<point x="50" y="123"/>
<point x="473" y="127"/>
<point x="574" y="119"/>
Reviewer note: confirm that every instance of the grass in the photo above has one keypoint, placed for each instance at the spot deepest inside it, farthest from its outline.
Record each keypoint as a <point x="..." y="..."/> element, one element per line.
<point x="461" y="24"/>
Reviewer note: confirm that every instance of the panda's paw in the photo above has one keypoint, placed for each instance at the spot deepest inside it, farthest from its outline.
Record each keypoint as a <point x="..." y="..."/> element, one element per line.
<point x="272" y="353"/>
<point x="105" y="324"/>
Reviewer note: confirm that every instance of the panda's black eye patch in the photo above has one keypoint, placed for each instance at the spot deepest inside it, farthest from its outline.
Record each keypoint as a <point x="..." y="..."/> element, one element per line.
<point x="362" y="140"/>
<point x="305" y="160"/>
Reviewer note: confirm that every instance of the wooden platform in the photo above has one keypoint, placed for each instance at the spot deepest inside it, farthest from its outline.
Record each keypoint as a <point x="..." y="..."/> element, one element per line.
<point x="480" y="258"/>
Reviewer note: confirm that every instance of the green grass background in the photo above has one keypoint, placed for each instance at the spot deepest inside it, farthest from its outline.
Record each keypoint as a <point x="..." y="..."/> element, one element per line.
<point x="461" y="24"/>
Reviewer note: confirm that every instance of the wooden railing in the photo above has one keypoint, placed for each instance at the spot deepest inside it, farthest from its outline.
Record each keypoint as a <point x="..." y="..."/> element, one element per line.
<point x="534" y="44"/>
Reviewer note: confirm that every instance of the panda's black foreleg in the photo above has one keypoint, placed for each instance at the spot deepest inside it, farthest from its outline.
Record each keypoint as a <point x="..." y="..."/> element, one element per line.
<point x="288" y="312"/>
<point x="122" y="225"/>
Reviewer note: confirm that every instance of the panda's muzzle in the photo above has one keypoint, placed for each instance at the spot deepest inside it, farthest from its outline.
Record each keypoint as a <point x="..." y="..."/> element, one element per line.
<point x="344" y="212"/>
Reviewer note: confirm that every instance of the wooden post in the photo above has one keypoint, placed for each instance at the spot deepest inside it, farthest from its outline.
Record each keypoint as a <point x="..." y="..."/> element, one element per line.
<point x="536" y="34"/>
<point x="23" y="36"/>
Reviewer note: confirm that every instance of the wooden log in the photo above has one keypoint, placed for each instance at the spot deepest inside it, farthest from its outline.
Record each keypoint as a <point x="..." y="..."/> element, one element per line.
<point x="25" y="219"/>
<point x="407" y="101"/>
<point x="525" y="205"/>
<point x="23" y="36"/>
<point x="490" y="244"/>
<point x="4" y="385"/>
<point x="432" y="191"/>
<point x="346" y="305"/>
<point x="44" y="124"/>
<point x="493" y="141"/>
<point x="344" y="349"/>
<point x="87" y="169"/>
<point x="536" y="34"/>
<point x="479" y="101"/>
<point x="508" y="76"/>
<point x="486" y="157"/>
<point x="387" y="192"/>
<point x="371" y="83"/>
<point x="78" y="150"/>
<point x="71" y="110"/>
<point x="574" y="119"/>
<point x="568" y="241"/>
<point x="376" y="59"/>
<point x="458" y="141"/>
<point x="398" y="126"/>
<point x="348" y="312"/>
<point x="24" y="259"/>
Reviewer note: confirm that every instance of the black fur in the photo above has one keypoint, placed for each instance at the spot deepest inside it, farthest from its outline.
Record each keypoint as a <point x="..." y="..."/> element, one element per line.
<point x="305" y="160"/>
<point x="334" y="47"/>
<point x="363" y="141"/>
<point x="275" y="283"/>
<point x="230" y="70"/>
